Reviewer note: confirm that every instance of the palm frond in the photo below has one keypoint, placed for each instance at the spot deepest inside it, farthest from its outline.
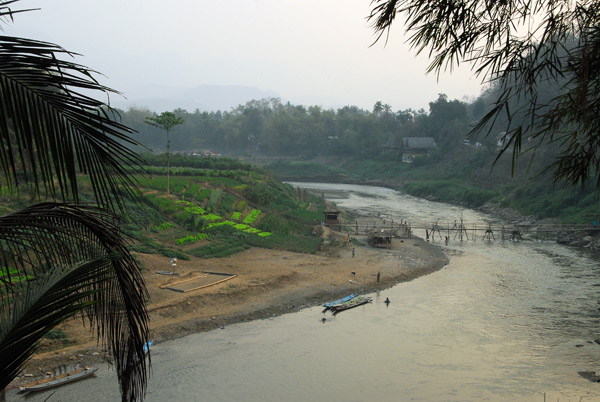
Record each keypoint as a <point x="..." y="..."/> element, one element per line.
<point x="6" y="13"/>
<point x="75" y="257"/>
<point x="39" y="306"/>
<point x="51" y="131"/>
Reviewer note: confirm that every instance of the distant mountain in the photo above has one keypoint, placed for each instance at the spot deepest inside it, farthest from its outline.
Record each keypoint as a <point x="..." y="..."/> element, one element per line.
<point x="208" y="98"/>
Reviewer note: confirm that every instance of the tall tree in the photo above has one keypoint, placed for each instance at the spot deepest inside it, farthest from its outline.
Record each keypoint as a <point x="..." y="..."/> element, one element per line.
<point x="166" y="121"/>
<point x="524" y="46"/>
<point x="59" y="259"/>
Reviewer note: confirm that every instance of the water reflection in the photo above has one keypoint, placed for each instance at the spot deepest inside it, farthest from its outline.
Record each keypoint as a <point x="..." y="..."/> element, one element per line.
<point x="503" y="321"/>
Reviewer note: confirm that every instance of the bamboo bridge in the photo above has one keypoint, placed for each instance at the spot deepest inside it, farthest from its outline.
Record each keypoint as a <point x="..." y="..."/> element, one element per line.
<point x="460" y="230"/>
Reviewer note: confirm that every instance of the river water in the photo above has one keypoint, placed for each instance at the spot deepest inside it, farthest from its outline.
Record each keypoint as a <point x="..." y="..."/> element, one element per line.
<point x="503" y="321"/>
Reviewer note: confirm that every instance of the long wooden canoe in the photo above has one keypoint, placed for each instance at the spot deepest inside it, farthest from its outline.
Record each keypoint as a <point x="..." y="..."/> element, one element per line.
<point x="58" y="380"/>
<point x="354" y="302"/>
<point x="343" y="299"/>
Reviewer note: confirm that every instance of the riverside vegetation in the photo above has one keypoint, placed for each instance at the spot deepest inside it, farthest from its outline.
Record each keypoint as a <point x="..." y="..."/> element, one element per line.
<point x="353" y="145"/>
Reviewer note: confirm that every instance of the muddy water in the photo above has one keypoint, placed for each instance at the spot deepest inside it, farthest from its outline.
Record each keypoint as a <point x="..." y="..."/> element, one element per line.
<point x="503" y="321"/>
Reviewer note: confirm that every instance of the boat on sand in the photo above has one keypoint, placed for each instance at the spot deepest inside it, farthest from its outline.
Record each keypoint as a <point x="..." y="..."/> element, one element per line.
<point x="339" y="301"/>
<point x="57" y="380"/>
<point x="353" y="302"/>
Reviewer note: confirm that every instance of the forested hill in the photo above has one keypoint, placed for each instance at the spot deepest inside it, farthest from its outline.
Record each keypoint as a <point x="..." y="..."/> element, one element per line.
<point x="367" y="146"/>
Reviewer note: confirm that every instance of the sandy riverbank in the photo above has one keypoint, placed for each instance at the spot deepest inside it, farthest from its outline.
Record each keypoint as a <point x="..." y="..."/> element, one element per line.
<point x="268" y="283"/>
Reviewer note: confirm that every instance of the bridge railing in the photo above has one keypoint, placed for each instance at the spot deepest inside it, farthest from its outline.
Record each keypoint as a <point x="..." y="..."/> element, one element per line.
<point x="478" y="229"/>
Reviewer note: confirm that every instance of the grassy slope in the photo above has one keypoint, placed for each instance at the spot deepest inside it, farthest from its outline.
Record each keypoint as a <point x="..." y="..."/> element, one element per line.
<point x="218" y="212"/>
<point x="212" y="211"/>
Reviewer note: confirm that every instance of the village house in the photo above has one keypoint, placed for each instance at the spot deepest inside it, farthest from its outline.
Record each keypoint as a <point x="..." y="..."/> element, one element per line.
<point x="415" y="147"/>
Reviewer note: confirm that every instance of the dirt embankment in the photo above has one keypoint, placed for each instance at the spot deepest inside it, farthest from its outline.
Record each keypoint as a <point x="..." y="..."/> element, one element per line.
<point x="268" y="283"/>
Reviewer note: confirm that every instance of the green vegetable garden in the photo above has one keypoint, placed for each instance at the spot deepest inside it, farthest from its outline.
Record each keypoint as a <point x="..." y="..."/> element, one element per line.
<point x="211" y="213"/>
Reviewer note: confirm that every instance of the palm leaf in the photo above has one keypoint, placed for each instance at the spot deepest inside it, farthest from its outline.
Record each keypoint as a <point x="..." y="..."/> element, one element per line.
<point x="59" y="259"/>
<point x="51" y="131"/>
<point x="7" y="13"/>
<point x="39" y="306"/>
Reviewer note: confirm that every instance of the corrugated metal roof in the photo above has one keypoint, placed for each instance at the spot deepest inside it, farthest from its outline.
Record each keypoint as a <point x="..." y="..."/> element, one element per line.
<point x="418" y="142"/>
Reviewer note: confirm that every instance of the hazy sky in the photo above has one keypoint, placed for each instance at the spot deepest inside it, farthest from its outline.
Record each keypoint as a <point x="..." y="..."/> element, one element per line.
<point x="311" y="52"/>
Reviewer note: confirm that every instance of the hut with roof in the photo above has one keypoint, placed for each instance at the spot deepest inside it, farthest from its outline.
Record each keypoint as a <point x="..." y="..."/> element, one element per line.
<point x="415" y="147"/>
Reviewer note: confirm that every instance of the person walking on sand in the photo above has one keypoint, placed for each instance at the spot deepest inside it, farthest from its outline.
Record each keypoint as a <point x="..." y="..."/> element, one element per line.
<point x="378" y="275"/>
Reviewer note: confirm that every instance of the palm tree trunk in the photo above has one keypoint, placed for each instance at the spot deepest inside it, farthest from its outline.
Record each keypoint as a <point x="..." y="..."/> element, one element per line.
<point x="168" y="161"/>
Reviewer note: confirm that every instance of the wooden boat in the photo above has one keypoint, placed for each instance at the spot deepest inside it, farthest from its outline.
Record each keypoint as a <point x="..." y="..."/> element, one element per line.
<point x="58" y="380"/>
<point x="342" y="300"/>
<point x="354" y="302"/>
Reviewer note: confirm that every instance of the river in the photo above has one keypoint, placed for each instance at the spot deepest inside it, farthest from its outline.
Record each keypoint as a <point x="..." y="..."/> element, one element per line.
<point x="503" y="321"/>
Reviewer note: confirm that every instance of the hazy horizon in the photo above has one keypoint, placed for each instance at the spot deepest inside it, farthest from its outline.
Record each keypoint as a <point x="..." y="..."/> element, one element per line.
<point x="310" y="52"/>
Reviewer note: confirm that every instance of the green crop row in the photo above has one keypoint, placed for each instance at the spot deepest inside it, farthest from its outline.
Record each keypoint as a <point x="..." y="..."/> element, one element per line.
<point x="240" y="206"/>
<point x="252" y="216"/>
<point x="164" y="226"/>
<point x="195" y="210"/>
<point x="222" y="223"/>
<point x="212" y="217"/>
<point x="191" y="239"/>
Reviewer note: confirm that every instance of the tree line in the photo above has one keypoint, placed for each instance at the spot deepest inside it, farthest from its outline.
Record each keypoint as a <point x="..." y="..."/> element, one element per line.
<point x="270" y="127"/>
